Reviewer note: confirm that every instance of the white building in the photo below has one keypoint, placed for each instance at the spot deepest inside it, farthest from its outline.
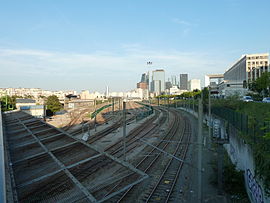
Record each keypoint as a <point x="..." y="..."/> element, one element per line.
<point x="248" y="68"/>
<point x="137" y="93"/>
<point x="34" y="110"/>
<point x="194" y="84"/>
<point x="34" y="92"/>
<point x="245" y="70"/>
<point x="174" y="90"/>
<point x="85" y="94"/>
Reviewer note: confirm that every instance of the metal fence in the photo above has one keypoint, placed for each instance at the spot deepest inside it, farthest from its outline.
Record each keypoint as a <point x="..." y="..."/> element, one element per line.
<point x="99" y="110"/>
<point x="143" y="114"/>
<point x="247" y="125"/>
<point x="236" y="119"/>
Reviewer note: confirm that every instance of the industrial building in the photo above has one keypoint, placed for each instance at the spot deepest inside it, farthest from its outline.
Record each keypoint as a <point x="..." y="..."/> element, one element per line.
<point x="25" y="102"/>
<point x="37" y="111"/>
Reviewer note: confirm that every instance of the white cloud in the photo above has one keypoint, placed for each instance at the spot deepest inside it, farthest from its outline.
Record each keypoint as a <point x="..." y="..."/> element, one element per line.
<point x="185" y="26"/>
<point x="57" y="70"/>
<point x="181" y="22"/>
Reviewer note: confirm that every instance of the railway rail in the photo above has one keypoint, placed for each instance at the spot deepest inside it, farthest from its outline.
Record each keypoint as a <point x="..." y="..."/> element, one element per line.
<point x="172" y="169"/>
<point x="164" y="187"/>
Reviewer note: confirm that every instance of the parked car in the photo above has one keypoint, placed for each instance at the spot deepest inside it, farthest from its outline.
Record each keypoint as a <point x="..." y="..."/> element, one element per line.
<point x="247" y="99"/>
<point x="266" y="100"/>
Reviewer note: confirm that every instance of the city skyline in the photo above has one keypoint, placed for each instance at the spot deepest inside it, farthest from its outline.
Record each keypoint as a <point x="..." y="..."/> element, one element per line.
<point x="65" y="45"/>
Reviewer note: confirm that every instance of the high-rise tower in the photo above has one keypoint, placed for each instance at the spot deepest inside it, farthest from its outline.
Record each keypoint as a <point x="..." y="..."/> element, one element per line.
<point x="158" y="81"/>
<point x="183" y="81"/>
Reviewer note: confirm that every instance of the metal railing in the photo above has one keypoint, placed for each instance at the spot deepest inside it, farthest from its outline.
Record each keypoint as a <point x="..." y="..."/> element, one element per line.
<point x="94" y="114"/>
<point x="143" y="114"/>
<point x="2" y="163"/>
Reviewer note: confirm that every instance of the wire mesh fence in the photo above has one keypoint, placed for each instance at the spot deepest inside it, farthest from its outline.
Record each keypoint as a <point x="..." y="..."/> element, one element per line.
<point x="249" y="126"/>
<point x="145" y="111"/>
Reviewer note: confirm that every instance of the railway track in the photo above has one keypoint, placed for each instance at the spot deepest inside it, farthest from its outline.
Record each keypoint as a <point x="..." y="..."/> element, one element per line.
<point x="132" y="143"/>
<point x="116" y="150"/>
<point x="163" y="189"/>
<point x="132" y="138"/>
<point x="145" y="164"/>
<point x="75" y="119"/>
<point x="149" y="162"/>
<point x="133" y="111"/>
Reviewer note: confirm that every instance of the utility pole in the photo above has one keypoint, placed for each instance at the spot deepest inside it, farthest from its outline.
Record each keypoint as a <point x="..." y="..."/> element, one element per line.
<point x="168" y="111"/>
<point x="88" y="129"/>
<point x="44" y="112"/>
<point x="124" y="129"/>
<point x="95" y="121"/>
<point x="82" y="126"/>
<point x="119" y="107"/>
<point x="209" y="113"/>
<point x="112" y="105"/>
<point x="193" y="104"/>
<point x="200" y="123"/>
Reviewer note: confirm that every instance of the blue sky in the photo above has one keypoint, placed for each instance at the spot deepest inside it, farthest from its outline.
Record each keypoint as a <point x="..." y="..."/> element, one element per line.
<point x="90" y="44"/>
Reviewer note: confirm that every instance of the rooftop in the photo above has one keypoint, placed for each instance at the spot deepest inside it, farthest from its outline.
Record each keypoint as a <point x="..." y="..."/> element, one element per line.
<point x="25" y="101"/>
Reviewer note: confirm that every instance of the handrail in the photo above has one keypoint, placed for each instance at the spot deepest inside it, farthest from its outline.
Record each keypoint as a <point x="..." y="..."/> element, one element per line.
<point x="94" y="114"/>
<point x="2" y="163"/>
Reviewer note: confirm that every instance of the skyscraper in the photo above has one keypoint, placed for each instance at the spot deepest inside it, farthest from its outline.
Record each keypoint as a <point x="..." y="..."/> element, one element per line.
<point x="107" y="92"/>
<point x="174" y="81"/>
<point x="183" y="81"/>
<point x="158" y="81"/>
<point x="144" y="83"/>
<point x="145" y="78"/>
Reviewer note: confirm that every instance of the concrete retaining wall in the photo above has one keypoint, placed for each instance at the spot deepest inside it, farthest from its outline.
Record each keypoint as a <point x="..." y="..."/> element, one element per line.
<point x="242" y="156"/>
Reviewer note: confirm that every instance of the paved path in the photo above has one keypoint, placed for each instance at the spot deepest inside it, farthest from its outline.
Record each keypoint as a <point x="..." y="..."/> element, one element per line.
<point x="187" y="185"/>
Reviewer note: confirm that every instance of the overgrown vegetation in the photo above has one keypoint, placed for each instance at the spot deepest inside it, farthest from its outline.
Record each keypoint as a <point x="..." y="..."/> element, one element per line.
<point x="8" y="103"/>
<point x="261" y="84"/>
<point x="233" y="180"/>
<point x="258" y="134"/>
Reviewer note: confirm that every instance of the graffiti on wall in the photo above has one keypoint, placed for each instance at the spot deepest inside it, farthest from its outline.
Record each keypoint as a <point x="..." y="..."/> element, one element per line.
<point x="254" y="188"/>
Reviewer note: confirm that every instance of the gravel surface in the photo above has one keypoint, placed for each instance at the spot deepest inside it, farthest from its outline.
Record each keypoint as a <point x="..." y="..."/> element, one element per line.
<point x="187" y="183"/>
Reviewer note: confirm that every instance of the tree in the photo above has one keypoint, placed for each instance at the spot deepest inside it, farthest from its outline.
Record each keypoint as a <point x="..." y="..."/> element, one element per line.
<point x="261" y="84"/>
<point x="8" y="103"/>
<point x="53" y="104"/>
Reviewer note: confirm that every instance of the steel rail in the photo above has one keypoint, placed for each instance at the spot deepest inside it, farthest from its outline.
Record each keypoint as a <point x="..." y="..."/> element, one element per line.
<point x="169" y="135"/>
<point x="166" y="170"/>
